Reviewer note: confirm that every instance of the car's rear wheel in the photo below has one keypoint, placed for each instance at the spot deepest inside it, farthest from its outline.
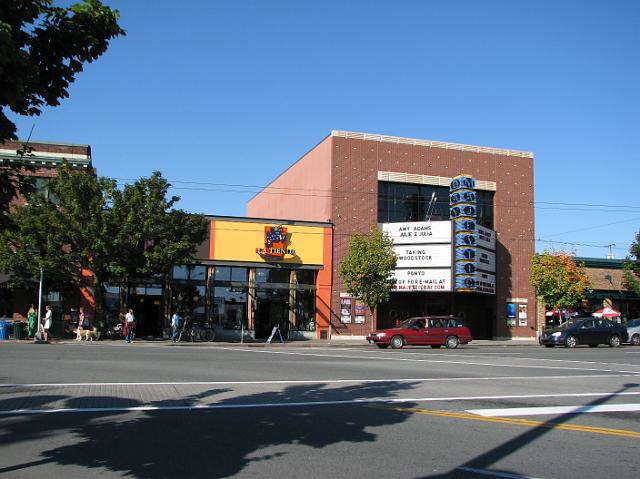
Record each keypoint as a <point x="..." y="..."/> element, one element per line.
<point x="397" y="342"/>
<point x="571" y="341"/>
<point x="383" y="346"/>
<point x="635" y="339"/>
<point x="452" y="342"/>
<point x="614" y="341"/>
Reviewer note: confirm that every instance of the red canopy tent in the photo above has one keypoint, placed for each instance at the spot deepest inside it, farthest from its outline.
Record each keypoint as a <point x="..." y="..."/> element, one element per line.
<point x="606" y="313"/>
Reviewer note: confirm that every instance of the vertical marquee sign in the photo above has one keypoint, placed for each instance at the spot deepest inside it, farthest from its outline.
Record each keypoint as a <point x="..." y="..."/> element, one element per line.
<point x="462" y="202"/>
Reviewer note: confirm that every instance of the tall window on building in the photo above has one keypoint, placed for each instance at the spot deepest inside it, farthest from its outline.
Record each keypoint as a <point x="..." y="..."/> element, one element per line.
<point x="188" y="291"/>
<point x="229" y="296"/>
<point x="41" y="186"/>
<point x="305" y="299"/>
<point x="404" y="202"/>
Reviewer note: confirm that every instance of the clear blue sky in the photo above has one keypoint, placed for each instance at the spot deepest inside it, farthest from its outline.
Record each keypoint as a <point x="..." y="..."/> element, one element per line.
<point x="227" y="94"/>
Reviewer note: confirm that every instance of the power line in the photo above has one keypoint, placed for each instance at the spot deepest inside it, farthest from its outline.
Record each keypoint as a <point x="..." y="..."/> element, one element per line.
<point x="324" y="193"/>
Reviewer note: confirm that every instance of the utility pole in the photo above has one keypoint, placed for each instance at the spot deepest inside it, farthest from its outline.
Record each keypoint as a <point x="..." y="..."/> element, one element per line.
<point x="610" y="255"/>
<point x="39" y="313"/>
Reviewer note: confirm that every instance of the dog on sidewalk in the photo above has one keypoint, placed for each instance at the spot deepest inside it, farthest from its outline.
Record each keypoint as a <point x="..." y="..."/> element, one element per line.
<point x="87" y="334"/>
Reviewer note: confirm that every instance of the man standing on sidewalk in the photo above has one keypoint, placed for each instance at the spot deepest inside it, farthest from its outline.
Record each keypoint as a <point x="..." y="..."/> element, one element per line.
<point x="130" y="320"/>
<point x="176" y="321"/>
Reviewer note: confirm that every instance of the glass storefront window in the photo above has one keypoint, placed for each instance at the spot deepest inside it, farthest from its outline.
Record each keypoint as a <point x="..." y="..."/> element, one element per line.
<point x="305" y="311"/>
<point x="193" y="273"/>
<point x="273" y="276"/>
<point x="198" y="273"/>
<point x="229" y="297"/>
<point x="222" y="273"/>
<point x="229" y="307"/>
<point x="180" y="272"/>
<point x="226" y="274"/>
<point x="306" y="276"/>
<point x="240" y="274"/>
<point x="112" y="300"/>
<point x="190" y="300"/>
<point x="402" y="202"/>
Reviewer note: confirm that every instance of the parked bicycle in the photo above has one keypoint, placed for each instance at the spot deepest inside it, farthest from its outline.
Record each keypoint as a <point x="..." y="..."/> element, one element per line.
<point x="192" y="331"/>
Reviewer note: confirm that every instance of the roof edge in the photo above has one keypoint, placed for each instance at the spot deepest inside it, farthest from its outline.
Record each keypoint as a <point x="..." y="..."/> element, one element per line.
<point x="430" y="143"/>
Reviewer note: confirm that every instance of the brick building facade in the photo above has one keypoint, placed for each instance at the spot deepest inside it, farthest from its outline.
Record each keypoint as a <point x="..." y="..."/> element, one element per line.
<point x="339" y="181"/>
<point x="43" y="159"/>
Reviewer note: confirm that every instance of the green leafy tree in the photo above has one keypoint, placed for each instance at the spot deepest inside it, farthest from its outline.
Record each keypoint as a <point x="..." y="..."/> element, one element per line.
<point x="559" y="281"/>
<point x="43" y="47"/>
<point x="631" y="273"/>
<point x="98" y="231"/>
<point x="14" y="180"/>
<point x="367" y="267"/>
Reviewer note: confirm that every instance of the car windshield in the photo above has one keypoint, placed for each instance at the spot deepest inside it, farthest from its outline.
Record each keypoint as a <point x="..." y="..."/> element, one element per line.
<point x="633" y="323"/>
<point x="568" y="324"/>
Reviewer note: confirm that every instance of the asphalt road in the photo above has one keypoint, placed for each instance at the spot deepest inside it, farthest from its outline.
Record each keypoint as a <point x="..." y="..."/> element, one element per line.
<point x="157" y="410"/>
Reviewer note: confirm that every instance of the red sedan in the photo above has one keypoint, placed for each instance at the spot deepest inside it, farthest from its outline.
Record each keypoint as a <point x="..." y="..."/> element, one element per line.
<point x="435" y="331"/>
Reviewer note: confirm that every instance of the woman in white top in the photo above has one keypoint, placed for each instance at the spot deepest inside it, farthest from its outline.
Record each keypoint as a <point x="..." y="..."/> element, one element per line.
<point x="47" y="322"/>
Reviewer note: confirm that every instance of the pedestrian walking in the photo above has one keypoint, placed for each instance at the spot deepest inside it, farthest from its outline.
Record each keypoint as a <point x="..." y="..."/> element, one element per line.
<point x="31" y="317"/>
<point x="176" y="321"/>
<point x="80" y="324"/>
<point x="48" y="319"/>
<point x="129" y="320"/>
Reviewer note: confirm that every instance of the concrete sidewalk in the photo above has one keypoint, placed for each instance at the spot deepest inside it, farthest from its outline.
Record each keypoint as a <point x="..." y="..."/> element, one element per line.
<point x="334" y="342"/>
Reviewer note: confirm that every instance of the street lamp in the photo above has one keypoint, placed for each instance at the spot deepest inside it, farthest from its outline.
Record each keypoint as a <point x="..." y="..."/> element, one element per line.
<point x="38" y="318"/>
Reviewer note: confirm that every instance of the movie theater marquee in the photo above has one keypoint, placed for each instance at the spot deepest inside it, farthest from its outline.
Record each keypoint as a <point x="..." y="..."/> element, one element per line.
<point x="424" y="253"/>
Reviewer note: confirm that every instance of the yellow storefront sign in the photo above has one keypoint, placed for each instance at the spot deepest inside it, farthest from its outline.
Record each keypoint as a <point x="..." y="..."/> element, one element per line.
<point x="266" y="242"/>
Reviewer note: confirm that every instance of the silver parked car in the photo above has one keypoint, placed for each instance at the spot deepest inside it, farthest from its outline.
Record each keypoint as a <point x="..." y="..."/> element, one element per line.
<point x="633" y="329"/>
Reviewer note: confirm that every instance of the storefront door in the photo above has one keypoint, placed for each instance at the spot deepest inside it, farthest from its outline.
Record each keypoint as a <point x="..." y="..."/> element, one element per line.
<point x="270" y="313"/>
<point x="148" y="313"/>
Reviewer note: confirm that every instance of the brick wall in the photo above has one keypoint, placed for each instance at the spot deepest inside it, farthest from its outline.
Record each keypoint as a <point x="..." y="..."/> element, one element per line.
<point x="356" y="163"/>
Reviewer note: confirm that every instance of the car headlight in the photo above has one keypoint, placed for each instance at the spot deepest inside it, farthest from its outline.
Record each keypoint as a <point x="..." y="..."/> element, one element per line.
<point x="556" y="334"/>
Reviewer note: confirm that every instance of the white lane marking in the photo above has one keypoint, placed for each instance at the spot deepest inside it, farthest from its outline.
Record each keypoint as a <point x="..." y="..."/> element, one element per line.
<point x="378" y="400"/>
<point x="482" y="355"/>
<point x="466" y="363"/>
<point x="322" y="381"/>
<point x="486" y="472"/>
<point x="537" y="411"/>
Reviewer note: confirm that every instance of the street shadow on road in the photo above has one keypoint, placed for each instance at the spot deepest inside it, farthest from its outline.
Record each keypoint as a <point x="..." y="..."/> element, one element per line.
<point x="212" y="443"/>
<point x="479" y="466"/>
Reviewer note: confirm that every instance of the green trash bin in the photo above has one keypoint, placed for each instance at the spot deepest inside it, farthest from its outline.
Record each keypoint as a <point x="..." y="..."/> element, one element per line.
<point x="18" y="330"/>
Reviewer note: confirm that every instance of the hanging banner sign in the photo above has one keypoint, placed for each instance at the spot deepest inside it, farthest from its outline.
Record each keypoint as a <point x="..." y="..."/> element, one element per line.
<point x="422" y="279"/>
<point x="423" y="256"/>
<point x="418" y="232"/>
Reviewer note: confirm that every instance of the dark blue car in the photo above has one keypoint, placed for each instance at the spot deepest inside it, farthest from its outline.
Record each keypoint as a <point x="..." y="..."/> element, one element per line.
<point x="591" y="331"/>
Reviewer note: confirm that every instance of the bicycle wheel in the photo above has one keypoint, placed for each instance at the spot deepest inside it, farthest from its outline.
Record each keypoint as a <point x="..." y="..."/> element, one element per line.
<point x="209" y="334"/>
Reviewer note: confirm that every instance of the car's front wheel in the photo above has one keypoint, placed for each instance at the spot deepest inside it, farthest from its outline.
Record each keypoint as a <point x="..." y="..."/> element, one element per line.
<point x="614" y="341"/>
<point x="452" y="342"/>
<point x="571" y="341"/>
<point x="397" y="342"/>
<point x="635" y="339"/>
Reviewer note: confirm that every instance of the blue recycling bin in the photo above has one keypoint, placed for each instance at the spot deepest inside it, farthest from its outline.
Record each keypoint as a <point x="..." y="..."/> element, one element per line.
<point x="4" y="330"/>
